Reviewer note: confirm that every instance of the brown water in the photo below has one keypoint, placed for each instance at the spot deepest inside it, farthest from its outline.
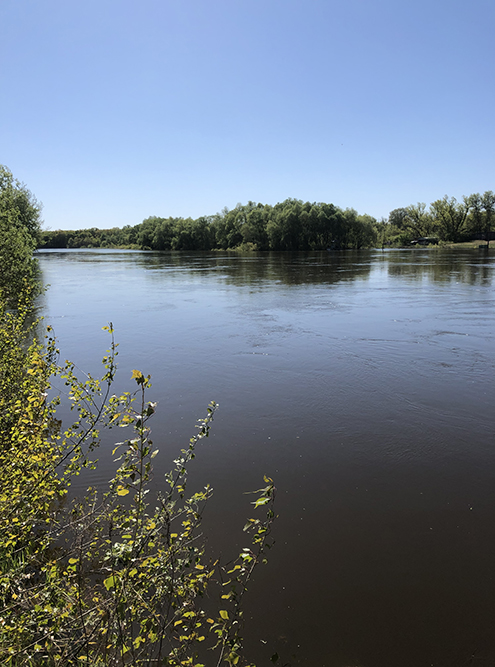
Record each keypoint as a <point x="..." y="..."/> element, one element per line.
<point x="364" y="384"/>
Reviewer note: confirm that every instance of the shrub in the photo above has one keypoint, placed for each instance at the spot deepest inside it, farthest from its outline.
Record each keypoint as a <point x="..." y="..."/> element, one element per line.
<point x="117" y="578"/>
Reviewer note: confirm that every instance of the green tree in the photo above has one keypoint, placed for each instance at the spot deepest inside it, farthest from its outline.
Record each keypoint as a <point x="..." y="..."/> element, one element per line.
<point x="53" y="239"/>
<point x="366" y="235"/>
<point x="285" y="226"/>
<point x="488" y="202"/>
<point x="481" y="213"/>
<point x="450" y="216"/>
<point x="163" y="235"/>
<point x="227" y="229"/>
<point x="16" y="199"/>
<point x="475" y="205"/>
<point x="147" y="230"/>
<point x="19" y="234"/>
<point x="254" y="229"/>
<point x="202" y="233"/>
<point x="398" y="217"/>
<point x="419" y="221"/>
<point x="328" y="226"/>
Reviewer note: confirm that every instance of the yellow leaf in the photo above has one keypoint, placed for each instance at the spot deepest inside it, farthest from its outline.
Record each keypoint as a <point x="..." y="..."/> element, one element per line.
<point x="138" y="376"/>
<point x="121" y="491"/>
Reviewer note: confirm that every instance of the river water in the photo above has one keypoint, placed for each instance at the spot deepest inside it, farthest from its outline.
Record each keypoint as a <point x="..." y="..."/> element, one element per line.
<point x="363" y="383"/>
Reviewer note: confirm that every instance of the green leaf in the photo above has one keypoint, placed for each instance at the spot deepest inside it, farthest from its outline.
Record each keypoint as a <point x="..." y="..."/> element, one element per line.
<point x="109" y="583"/>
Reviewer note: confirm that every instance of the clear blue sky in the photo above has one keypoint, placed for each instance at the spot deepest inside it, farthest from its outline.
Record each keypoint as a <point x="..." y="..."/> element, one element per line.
<point x="115" y="110"/>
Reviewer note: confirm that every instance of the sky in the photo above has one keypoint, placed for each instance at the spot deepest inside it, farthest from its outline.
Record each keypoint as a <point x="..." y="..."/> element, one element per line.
<point x="115" y="110"/>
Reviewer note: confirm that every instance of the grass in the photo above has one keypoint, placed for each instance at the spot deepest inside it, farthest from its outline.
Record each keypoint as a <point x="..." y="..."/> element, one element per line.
<point x="465" y="244"/>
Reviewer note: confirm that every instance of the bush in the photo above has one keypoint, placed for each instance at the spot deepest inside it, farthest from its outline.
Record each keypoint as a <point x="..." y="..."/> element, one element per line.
<point x="116" y="578"/>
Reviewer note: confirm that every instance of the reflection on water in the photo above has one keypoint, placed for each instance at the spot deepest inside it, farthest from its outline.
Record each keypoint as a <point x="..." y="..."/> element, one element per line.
<point x="363" y="382"/>
<point x="473" y="267"/>
<point x="470" y="266"/>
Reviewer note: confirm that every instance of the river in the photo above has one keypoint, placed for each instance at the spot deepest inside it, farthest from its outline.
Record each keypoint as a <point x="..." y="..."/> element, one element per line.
<point x="363" y="383"/>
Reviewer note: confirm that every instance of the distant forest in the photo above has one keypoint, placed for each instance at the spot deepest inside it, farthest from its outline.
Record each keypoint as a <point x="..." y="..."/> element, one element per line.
<point x="293" y="225"/>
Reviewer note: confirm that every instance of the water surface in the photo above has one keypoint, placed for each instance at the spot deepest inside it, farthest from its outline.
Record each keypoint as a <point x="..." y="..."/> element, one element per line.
<point x="363" y="383"/>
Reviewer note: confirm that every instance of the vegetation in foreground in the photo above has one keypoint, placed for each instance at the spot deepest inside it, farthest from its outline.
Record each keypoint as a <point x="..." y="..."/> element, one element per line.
<point x="294" y="225"/>
<point x="116" y="578"/>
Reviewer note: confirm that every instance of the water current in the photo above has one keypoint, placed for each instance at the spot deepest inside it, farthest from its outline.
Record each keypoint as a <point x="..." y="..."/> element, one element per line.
<point x="363" y="383"/>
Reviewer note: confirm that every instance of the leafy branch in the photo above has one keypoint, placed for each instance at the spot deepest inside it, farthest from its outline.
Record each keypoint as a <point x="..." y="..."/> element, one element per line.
<point x="117" y="578"/>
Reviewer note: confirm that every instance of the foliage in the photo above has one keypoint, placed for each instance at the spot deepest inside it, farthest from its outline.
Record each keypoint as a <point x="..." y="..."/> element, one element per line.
<point x="293" y="225"/>
<point x="19" y="235"/>
<point x="27" y="449"/>
<point x="419" y="220"/>
<point x="398" y="217"/>
<point x="445" y="218"/>
<point x="113" y="579"/>
<point x="17" y="200"/>
<point x="450" y="217"/>
<point x="289" y="225"/>
<point x="488" y="204"/>
<point x="127" y="237"/>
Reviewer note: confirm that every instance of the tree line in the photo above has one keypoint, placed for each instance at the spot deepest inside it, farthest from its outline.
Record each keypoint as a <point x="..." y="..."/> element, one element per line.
<point x="293" y="225"/>
<point x="446" y="218"/>
<point x="290" y="225"/>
